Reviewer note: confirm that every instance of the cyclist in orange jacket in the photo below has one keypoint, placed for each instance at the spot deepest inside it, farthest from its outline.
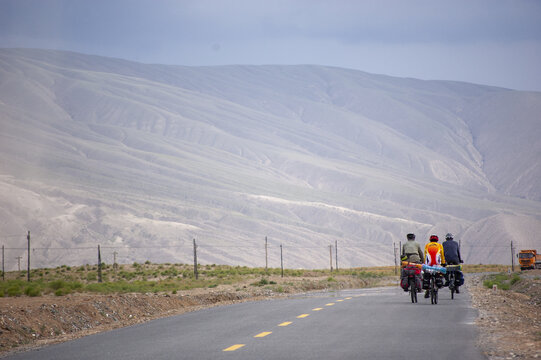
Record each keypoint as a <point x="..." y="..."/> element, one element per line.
<point x="434" y="256"/>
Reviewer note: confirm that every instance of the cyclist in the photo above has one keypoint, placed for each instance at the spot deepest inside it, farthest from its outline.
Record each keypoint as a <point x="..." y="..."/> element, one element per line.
<point x="411" y="252"/>
<point x="434" y="256"/>
<point x="452" y="256"/>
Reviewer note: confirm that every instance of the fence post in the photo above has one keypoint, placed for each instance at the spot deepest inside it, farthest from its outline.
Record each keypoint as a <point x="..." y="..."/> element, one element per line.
<point x="195" y="260"/>
<point x="330" y="256"/>
<point x="99" y="264"/>
<point x="512" y="257"/>
<point x="395" y="263"/>
<point x="336" y="253"/>
<point x="281" y="260"/>
<point x="28" y="273"/>
<point x="115" y="265"/>
<point x="266" y="256"/>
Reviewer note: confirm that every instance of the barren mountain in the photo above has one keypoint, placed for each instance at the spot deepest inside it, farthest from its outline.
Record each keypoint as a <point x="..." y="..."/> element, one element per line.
<point x="142" y="159"/>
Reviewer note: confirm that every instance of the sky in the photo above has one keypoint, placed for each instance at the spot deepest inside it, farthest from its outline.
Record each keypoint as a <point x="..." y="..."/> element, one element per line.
<point x="491" y="42"/>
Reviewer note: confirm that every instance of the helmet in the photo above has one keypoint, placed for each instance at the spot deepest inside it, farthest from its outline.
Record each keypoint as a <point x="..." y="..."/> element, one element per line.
<point x="449" y="236"/>
<point x="410" y="236"/>
<point x="434" y="238"/>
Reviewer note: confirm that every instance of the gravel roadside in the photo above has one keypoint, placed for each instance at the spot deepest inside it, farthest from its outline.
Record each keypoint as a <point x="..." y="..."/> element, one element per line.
<point x="509" y="321"/>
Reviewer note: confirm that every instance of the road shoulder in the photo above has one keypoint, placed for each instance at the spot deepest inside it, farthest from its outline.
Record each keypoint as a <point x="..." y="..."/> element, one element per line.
<point x="509" y="321"/>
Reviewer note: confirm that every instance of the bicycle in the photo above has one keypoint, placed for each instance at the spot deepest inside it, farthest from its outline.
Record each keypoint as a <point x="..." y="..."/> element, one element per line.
<point x="452" y="271"/>
<point x="413" y="290"/>
<point x="411" y="274"/>
<point x="412" y="271"/>
<point x="435" y="274"/>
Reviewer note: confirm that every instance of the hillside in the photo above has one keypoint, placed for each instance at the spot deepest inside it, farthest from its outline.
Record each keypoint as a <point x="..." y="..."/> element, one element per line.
<point x="142" y="159"/>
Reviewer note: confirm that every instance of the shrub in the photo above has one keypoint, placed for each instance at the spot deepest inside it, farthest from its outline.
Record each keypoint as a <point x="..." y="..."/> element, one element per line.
<point x="14" y="290"/>
<point x="60" y="292"/>
<point x="261" y="282"/>
<point x="515" y="279"/>
<point x="91" y="276"/>
<point x="32" y="290"/>
<point x="57" y="284"/>
<point x="502" y="281"/>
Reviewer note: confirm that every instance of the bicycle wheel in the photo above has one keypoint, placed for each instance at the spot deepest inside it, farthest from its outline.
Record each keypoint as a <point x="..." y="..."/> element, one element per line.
<point x="433" y="291"/>
<point x="413" y="290"/>
<point x="452" y="285"/>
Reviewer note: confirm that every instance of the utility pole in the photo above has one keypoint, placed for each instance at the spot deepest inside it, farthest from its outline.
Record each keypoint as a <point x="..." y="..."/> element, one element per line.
<point x="330" y="256"/>
<point x="512" y="257"/>
<point x="28" y="273"/>
<point x="115" y="265"/>
<point x="3" y="271"/>
<point x="19" y="261"/>
<point x="195" y="260"/>
<point x="266" y="256"/>
<point x="281" y="260"/>
<point x="395" y="263"/>
<point x="336" y="253"/>
<point x="99" y="264"/>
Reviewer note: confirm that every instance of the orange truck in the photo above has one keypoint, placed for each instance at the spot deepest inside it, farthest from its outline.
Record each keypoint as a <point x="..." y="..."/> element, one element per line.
<point x="529" y="259"/>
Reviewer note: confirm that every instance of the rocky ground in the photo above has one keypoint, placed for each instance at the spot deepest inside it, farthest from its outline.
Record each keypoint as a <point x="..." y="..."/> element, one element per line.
<point x="509" y="321"/>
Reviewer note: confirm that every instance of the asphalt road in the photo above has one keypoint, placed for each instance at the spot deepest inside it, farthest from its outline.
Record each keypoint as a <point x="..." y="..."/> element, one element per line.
<point x="379" y="323"/>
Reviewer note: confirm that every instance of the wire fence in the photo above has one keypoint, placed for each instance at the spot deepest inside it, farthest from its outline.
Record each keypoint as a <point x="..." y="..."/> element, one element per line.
<point x="261" y="254"/>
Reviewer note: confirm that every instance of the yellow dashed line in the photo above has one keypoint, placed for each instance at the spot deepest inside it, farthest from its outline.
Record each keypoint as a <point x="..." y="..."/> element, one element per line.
<point x="263" y="334"/>
<point x="234" y="347"/>
<point x="286" y="323"/>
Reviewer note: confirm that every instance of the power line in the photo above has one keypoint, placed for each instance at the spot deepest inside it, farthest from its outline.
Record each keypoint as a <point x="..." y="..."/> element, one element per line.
<point x="12" y="236"/>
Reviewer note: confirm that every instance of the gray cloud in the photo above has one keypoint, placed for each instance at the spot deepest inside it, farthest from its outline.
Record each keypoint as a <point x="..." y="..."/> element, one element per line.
<point x="395" y="37"/>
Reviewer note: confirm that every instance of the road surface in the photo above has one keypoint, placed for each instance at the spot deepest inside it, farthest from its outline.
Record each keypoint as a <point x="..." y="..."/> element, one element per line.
<point x="378" y="323"/>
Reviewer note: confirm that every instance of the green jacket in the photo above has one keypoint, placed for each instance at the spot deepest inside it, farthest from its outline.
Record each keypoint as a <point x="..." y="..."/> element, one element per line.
<point x="413" y="251"/>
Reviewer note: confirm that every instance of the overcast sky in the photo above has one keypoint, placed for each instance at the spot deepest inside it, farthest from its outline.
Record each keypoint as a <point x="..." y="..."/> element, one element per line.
<point x="493" y="42"/>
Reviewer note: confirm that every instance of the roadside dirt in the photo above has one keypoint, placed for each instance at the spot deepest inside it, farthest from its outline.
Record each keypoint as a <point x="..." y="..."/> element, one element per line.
<point x="509" y="320"/>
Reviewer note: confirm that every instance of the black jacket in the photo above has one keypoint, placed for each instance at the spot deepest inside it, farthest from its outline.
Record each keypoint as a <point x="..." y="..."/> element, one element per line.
<point x="451" y="251"/>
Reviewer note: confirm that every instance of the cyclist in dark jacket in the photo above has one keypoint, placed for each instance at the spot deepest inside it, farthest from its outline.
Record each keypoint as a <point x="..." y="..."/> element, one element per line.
<point x="451" y="251"/>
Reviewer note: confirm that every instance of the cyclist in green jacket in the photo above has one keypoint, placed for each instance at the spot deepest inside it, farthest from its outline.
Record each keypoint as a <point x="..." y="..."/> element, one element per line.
<point x="411" y="252"/>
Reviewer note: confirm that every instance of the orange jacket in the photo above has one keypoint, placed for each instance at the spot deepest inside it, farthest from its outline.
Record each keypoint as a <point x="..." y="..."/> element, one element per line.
<point x="434" y="254"/>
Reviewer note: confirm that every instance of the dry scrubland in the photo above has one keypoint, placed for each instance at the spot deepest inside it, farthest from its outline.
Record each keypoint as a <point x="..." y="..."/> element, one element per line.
<point x="68" y="302"/>
<point x="64" y="303"/>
